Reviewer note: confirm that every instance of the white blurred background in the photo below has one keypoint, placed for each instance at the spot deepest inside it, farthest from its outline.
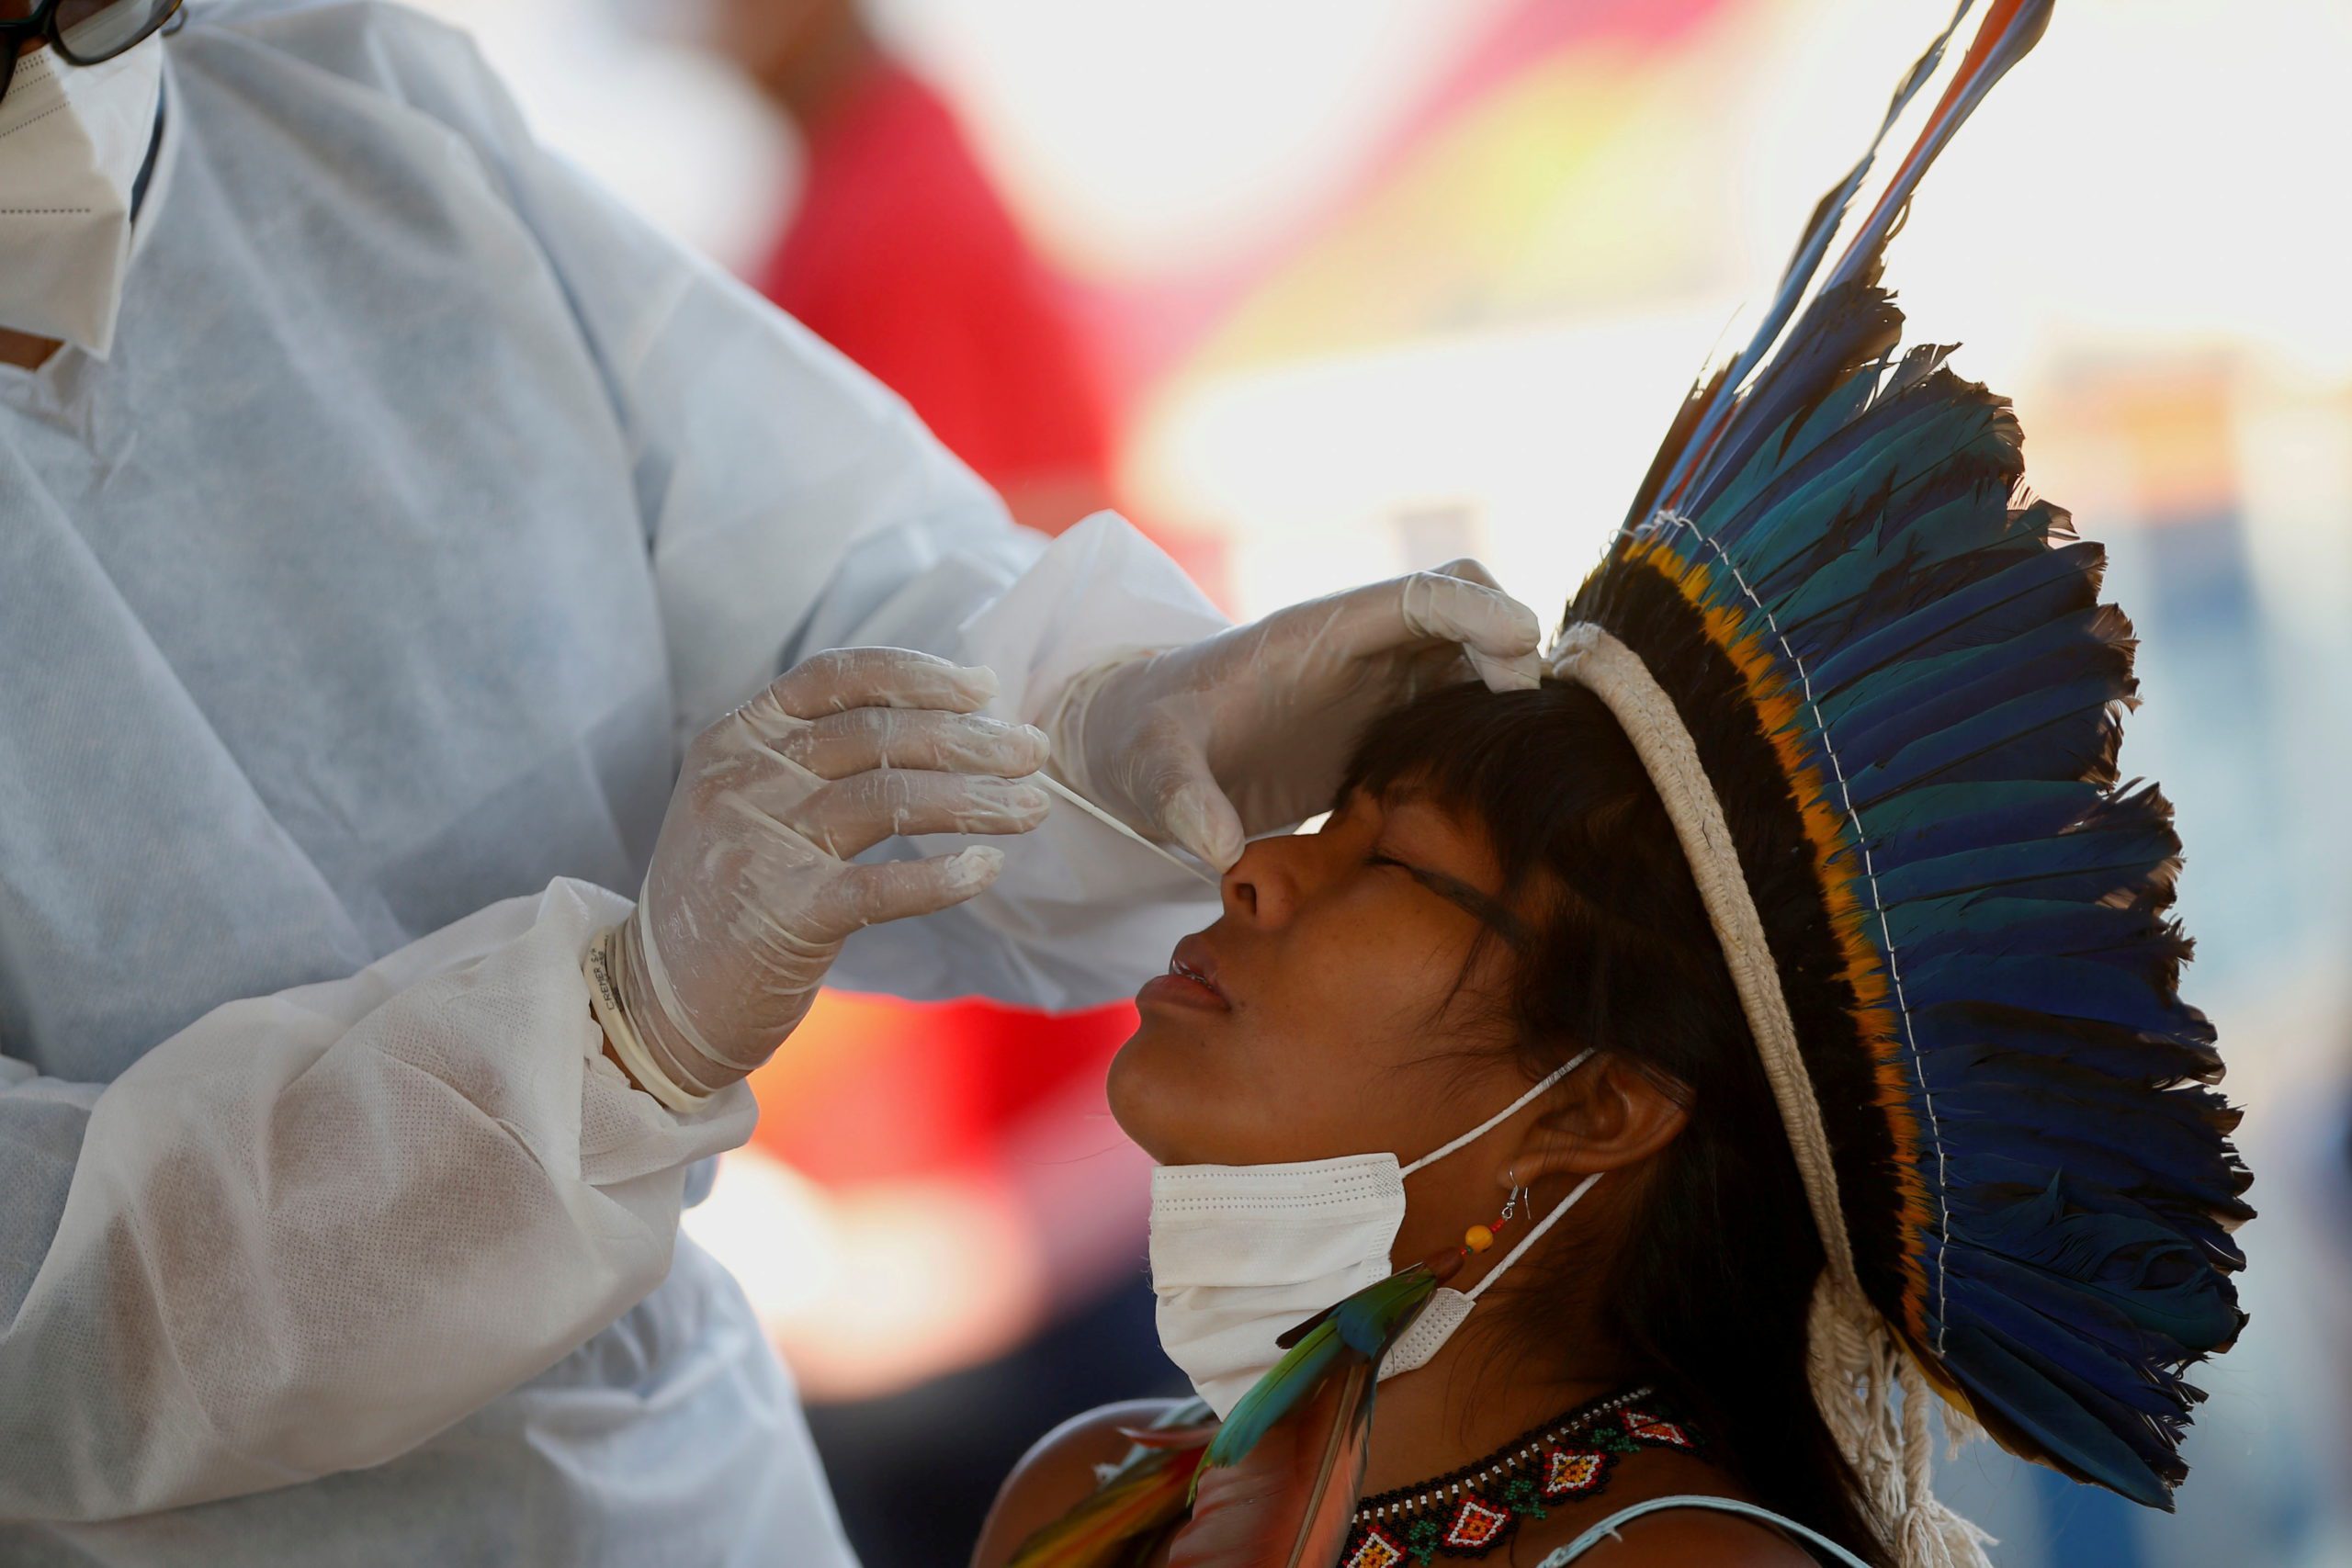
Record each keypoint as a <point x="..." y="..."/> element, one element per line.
<point x="1363" y="285"/>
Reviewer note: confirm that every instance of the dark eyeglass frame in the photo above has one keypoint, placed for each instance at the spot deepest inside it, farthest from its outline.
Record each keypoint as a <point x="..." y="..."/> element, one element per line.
<point x="41" y="27"/>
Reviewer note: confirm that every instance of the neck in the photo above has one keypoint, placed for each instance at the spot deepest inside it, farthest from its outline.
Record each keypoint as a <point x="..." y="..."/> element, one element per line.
<point x="25" y="351"/>
<point x="1474" y="1395"/>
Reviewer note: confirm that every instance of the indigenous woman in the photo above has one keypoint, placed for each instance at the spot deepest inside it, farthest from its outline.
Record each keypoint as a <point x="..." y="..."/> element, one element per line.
<point x="1766" y="1034"/>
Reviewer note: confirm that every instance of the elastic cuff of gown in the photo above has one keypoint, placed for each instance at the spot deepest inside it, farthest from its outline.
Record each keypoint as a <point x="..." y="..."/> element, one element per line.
<point x="603" y="999"/>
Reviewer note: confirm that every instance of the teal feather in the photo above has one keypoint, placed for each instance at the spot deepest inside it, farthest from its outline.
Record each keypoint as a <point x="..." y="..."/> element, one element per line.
<point x="1359" y="1328"/>
<point x="2026" y="589"/>
<point x="1277" y="1487"/>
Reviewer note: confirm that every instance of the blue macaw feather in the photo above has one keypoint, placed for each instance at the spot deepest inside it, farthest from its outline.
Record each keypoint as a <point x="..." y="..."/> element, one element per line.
<point x="1945" y="687"/>
<point x="2017" y="25"/>
<point x="1901" y="593"/>
<point x="2088" y="1111"/>
<point x="1961" y="521"/>
<point x="2084" y="862"/>
<point x="2012" y="28"/>
<point x="2175" y="1187"/>
<point x="2059" y="669"/>
<point x="1784" y="476"/>
<point x="1939" y="820"/>
<point x="1722" y="395"/>
<point x="1792" y="440"/>
<point x="1999" y="924"/>
<point x="1291" y="1379"/>
<point x="2055" y="988"/>
<point x="1856" y="589"/>
<point x="2029" y="585"/>
<point x="2012" y="1390"/>
<point x="2183" y="1054"/>
<point x="1994" y="1181"/>
<point x="2147" y="1413"/>
<point x="2079" y="1328"/>
<point x="1918" y="673"/>
<point x="1853" y="371"/>
<point x="2040" y="1085"/>
<point x="1906" y="606"/>
<point x="2139" y="1266"/>
<point x="2033" y="734"/>
<point x="2051" y="734"/>
<point x="1924" y="920"/>
<point x="1993" y="925"/>
<point x="1841" y="481"/>
<point x="1913" y="450"/>
<point x="2079" y="1339"/>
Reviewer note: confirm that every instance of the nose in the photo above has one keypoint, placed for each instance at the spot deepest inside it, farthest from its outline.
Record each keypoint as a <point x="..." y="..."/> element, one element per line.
<point x="1274" y="875"/>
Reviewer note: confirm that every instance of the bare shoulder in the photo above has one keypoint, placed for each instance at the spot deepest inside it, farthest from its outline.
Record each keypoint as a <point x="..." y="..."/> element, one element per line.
<point x="1673" y="1537"/>
<point x="1058" y="1473"/>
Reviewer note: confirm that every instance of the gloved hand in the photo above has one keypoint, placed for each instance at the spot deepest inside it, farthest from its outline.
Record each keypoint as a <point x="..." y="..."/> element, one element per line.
<point x="751" y="893"/>
<point x="1247" y="731"/>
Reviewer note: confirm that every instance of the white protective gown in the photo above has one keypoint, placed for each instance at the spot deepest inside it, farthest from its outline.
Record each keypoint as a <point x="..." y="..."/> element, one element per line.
<point x="355" y="612"/>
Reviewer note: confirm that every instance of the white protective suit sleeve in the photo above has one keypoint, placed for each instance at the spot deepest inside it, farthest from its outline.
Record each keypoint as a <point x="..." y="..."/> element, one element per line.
<point x="326" y="1223"/>
<point x="796" y="505"/>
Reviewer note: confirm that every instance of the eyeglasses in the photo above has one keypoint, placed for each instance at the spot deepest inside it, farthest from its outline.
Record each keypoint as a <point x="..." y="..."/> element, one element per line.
<point x="82" y="32"/>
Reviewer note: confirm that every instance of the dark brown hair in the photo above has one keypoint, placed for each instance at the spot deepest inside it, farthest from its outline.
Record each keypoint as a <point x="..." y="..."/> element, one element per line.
<point x="1712" y="1304"/>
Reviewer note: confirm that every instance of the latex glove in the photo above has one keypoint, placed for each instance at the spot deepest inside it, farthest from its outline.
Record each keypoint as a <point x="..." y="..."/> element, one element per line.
<point x="751" y="892"/>
<point x="1247" y="731"/>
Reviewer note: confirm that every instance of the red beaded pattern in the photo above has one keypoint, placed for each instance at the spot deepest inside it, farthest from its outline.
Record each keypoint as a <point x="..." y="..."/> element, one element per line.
<point x="1475" y="1509"/>
<point x="1656" y="1429"/>
<point x="1476" y="1525"/>
<point x="1571" y="1472"/>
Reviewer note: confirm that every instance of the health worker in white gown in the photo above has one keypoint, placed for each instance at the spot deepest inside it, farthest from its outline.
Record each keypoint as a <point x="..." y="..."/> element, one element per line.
<point x="405" y="558"/>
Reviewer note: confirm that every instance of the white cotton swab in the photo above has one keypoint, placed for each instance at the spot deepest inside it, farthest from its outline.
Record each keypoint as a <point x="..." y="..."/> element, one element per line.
<point x="1063" y="790"/>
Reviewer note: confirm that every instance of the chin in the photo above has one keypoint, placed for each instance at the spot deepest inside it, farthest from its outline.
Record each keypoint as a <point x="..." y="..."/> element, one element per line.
<point x="1144" y="1089"/>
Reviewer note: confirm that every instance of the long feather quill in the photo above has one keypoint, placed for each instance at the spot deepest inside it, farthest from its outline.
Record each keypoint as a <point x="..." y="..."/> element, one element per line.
<point x="1278" y="1486"/>
<point x="1290" y="1502"/>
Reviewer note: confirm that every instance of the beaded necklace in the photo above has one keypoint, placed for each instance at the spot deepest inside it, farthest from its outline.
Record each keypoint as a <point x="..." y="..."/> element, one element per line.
<point x="1471" y="1511"/>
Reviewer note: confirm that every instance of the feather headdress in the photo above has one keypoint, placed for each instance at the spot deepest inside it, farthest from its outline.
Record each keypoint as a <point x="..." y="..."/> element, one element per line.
<point x="1833" y="617"/>
<point x="1881" y="699"/>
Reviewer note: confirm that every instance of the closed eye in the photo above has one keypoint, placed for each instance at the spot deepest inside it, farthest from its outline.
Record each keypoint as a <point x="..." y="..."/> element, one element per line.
<point x="1460" y="893"/>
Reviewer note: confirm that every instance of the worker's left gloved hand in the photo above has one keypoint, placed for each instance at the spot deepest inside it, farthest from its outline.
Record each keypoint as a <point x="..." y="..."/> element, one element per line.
<point x="1247" y="731"/>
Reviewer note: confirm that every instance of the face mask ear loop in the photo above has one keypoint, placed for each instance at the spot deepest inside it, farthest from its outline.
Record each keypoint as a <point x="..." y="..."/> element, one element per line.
<point x="1532" y="1237"/>
<point x="1499" y="1117"/>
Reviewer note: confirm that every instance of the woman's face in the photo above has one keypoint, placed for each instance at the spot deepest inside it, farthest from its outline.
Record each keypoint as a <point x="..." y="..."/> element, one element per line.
<point x="1326" y="1018"/>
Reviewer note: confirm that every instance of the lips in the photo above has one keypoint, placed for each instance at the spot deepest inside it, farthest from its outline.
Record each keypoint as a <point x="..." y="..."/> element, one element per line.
<point x="1191" y="979"/>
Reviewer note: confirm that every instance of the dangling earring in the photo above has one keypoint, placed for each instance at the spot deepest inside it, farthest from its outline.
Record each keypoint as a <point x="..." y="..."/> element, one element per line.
<point x="1477" y="1238"/>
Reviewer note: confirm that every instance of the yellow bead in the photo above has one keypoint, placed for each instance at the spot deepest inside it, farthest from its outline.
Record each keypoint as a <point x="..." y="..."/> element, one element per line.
<point x="1477" y="1238"/>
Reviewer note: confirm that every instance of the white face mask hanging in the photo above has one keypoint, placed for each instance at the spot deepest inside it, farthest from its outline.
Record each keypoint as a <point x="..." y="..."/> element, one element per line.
<point x="74" y="142"/>
<point x="1240" y="1254"/>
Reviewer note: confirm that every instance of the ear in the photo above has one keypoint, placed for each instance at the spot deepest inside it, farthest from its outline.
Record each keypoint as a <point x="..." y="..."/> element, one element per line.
<point x="1607" y="1115"/>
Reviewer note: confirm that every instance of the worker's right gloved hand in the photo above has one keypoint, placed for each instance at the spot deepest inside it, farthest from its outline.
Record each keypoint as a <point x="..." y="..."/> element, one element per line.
<point x="752" y="891"/>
